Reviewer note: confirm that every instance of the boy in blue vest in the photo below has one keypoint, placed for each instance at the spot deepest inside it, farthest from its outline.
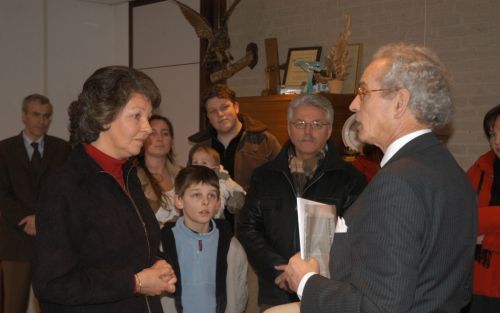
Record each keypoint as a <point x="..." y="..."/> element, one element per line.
<point x="210" y="263"/>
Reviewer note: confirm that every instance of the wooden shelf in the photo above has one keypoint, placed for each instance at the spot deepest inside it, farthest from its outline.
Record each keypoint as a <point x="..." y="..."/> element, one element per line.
<point x="272" y="110"/>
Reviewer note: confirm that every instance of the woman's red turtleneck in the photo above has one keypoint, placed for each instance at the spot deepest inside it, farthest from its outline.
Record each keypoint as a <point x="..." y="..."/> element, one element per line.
<point x="107" y="163"/>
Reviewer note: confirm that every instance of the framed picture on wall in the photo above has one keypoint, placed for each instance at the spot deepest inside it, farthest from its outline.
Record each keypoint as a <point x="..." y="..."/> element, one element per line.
<point x="351" y="83"/>
<point x="294" y="75"/>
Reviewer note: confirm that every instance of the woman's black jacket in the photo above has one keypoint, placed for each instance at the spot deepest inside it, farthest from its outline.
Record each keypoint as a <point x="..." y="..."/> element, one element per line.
<point x="92" y="237"/>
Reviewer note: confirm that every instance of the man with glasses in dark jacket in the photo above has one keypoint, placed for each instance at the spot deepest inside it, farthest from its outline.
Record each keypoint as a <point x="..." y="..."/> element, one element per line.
<point x="307" y="166"/>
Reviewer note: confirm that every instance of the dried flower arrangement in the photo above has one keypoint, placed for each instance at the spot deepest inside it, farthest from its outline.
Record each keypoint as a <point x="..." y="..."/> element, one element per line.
<point x="338" y="59"/>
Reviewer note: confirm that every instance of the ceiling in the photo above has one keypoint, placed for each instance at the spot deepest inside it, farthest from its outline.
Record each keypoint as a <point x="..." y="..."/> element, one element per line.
<point x="110" y="2"/>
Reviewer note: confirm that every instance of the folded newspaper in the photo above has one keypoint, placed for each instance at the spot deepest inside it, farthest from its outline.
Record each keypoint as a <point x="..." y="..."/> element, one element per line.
<point x="317" y="223"/>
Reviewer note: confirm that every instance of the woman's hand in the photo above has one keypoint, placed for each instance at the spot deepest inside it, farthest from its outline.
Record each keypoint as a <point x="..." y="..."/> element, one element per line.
<point x="156" y="279"/>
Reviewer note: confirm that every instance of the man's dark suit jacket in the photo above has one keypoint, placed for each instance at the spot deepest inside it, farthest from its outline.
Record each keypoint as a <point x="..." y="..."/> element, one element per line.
<point x="410" y="240"/>
<point x="19" y="191"/>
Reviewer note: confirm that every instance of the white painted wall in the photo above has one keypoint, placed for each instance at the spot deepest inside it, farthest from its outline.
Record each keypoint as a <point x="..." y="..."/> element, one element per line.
<point x="80" y="39"/>
<point x="51" y="47"/>
<point x="22" y="58"/>
<point x="166" y="47"/>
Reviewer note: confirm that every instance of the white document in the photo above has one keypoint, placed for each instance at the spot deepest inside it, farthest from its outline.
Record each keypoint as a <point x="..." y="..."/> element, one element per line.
<point x="317" y="222"/>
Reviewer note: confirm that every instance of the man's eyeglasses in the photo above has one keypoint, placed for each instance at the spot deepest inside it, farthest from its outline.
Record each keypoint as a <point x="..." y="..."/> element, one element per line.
<point x="303" y="124"/>
<point x="362" y="92"/>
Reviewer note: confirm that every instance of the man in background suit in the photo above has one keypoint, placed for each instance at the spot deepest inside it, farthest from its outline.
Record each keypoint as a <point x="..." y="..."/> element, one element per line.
<point x="25" y="162"/>
<point x="409" y="239"/>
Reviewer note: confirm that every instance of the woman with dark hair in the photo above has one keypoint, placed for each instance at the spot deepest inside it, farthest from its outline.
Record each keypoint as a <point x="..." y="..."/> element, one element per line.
<point x="158" y="169"/>
<point x="97" y="239"/>
<point x="485" y="177"/>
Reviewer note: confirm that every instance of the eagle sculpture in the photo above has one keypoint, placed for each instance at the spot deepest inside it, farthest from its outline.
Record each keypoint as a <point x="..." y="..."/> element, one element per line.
<point x="218" y="58"/>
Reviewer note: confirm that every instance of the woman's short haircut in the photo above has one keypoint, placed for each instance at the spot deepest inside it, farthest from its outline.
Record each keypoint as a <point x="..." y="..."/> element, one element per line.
<point x="195" y="174"/>
<point x="489" y="120"/>
<point x="103" y="96"/>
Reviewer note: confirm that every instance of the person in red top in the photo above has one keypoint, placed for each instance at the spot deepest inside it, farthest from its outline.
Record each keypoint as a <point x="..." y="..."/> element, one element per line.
<point x="368" y="162"/>
<point x="485" y="177"/>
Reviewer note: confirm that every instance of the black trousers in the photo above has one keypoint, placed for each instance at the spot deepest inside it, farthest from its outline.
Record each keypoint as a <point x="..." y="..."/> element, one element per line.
<point x="482" y="304"/>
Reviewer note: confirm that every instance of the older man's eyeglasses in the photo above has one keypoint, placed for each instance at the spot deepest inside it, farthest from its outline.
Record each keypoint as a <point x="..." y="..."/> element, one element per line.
<point x="303" y="124"/>
<point x="362" y="92"/>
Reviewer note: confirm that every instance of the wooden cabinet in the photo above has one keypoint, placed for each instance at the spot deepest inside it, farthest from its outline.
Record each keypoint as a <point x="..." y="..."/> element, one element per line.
<point x="272" y="110"/>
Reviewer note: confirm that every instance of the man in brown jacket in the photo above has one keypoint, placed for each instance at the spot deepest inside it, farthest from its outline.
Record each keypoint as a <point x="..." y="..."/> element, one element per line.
<point x="26" y="160"/>
<point x="242" y="142"/>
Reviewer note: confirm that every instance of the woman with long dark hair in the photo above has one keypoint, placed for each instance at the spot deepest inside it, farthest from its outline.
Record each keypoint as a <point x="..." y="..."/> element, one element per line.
<point x="158" y="169"/>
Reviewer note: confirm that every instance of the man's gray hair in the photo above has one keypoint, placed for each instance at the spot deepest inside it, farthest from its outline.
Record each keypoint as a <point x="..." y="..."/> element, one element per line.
<point x="420" y="71"/>
<point x="317" y="101"/>
<point x="35" y="97"/>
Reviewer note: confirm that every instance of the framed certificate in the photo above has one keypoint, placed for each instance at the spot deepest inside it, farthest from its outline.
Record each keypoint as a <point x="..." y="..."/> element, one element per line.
<point x="294" y="75"/>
